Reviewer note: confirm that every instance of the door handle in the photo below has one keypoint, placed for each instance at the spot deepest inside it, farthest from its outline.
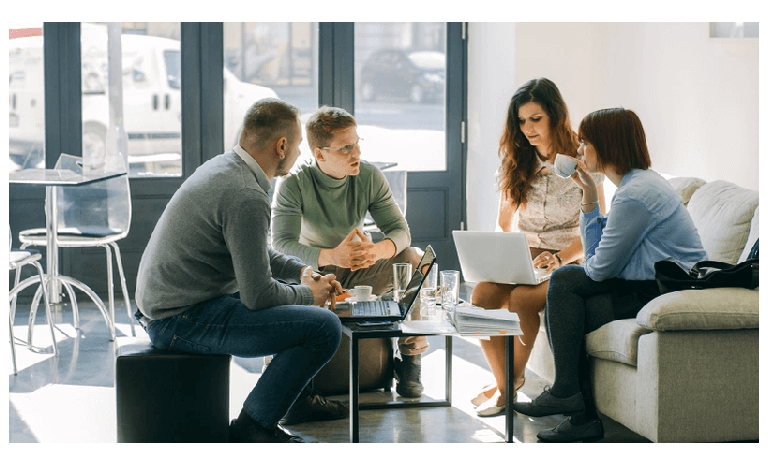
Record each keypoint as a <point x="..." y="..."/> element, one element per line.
<point x="167" y="101"/>
<point x="155" y="102"/>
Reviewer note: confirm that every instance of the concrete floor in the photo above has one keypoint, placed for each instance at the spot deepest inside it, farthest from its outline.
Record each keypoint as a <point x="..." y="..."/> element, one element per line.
<point x="71" y="399"/>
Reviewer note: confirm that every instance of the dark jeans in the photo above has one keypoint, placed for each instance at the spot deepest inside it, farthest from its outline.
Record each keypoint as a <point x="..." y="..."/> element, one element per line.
<point x="301" y="338"/>
<point x="577" y="305"/>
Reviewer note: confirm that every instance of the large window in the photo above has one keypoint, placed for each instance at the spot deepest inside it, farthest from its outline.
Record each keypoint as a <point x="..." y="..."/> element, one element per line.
<point x="400" y="77"/>
<point x="26" y="97"/>
<point x="137" y="110"/>
<point x="268" y="60"/>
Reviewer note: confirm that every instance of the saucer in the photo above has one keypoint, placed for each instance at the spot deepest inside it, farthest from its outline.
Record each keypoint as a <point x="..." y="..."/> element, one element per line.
<point x="353" y="299"/>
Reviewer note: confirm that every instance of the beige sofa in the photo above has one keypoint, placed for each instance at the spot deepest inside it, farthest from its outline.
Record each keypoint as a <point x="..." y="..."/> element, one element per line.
<point x="686" y="368"/>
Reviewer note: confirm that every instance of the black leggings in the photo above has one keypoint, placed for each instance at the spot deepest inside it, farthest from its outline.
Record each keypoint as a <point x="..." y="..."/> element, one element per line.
<point x="577" y="305"/>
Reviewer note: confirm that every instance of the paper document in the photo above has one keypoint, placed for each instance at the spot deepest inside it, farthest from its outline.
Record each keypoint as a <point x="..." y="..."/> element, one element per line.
<point x="474" y="320"/>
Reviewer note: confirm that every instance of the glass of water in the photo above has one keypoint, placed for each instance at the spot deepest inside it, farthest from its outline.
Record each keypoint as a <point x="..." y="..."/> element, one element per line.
<point x="449" y="288"/>
<point x="402" y="274"/>
<point x="429" y="295"/>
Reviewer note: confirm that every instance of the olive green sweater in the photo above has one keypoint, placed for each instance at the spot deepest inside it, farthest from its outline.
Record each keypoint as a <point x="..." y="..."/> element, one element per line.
<point x="312" y="210"/>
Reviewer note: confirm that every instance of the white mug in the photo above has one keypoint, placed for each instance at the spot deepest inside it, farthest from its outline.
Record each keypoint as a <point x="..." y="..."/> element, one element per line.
<point x="564" y="165"/>
<point x="363" y="293"/>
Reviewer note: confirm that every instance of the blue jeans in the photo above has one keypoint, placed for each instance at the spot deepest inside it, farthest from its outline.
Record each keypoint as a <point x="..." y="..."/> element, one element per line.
<point x="301" y="338"/>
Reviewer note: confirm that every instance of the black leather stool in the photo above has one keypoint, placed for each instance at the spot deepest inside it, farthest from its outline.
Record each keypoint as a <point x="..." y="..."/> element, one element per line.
<point x="165" y="396"/>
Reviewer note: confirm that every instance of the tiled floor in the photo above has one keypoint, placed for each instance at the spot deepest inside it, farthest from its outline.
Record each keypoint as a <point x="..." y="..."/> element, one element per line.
<point x="71" y="399"/>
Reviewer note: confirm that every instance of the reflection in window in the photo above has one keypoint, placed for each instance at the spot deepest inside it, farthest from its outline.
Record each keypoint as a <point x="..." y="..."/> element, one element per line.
<point x="26" y="97"/>
<point x="268" y="60"/>
<point x="734" y="30"/>
<point x="150" y="95"/>
<point x="400" y="71"/>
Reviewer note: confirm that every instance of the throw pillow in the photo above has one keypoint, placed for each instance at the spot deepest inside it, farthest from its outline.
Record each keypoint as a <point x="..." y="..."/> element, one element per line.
<point x="686" y="186"/>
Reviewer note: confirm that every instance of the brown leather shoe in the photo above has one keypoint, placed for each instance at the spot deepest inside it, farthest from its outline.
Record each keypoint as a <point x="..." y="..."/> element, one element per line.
<point x="246" y="430"/>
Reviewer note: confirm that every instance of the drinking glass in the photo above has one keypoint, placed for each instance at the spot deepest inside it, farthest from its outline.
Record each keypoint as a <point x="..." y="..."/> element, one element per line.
<point x="429" y="294"/>
<point x="449" y="287"/>
<point x="402" y="274"/>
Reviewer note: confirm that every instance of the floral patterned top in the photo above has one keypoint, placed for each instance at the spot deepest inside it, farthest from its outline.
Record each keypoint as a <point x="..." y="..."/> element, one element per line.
<point x="550" y="218"/>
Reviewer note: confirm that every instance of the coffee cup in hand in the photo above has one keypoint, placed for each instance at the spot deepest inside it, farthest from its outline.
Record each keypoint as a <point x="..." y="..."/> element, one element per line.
<point x="363" y="293"/>
<point x="564" y="165"/>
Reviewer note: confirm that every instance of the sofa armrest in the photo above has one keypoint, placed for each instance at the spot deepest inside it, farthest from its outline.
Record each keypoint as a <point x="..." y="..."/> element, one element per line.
<point x="709" y="309"/>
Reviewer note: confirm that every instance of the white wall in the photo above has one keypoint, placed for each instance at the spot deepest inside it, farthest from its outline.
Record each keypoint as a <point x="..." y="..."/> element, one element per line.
<point x="697" y="97"/>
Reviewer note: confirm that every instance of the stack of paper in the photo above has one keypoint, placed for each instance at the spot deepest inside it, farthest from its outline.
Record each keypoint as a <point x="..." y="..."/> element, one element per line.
<point x="474" y="320"/>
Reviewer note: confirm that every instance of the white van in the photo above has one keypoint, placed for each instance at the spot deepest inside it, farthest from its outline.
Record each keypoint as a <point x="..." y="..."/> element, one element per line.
<point x="151" y="100"/>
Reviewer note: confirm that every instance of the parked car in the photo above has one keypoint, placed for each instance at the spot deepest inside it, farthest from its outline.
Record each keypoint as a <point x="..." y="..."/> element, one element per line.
<point x="418" y="76"/>
<point x="151" y="98"/>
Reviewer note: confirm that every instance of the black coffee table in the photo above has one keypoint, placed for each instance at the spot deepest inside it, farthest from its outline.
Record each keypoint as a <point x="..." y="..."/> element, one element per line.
<point x="357" y="332"/>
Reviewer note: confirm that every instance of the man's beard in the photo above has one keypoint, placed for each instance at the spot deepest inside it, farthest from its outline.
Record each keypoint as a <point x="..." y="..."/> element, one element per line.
<point x="282" y="169"/>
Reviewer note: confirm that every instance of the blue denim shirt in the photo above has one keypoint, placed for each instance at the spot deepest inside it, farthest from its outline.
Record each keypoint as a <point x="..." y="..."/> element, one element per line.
<point x="647" y="223"/>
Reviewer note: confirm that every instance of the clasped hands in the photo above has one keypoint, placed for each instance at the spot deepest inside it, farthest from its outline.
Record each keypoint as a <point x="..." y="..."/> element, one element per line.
<point x="324" y="287"/>
<point x="355" y="252"/>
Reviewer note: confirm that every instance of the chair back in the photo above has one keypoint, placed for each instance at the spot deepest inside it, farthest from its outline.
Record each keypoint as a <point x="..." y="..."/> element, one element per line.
<point x="96" y="209"/>
<point x="398" y="184"/>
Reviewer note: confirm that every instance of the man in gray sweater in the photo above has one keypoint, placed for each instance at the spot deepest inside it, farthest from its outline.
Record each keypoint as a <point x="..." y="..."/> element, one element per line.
<point x="208" y="281"/>
<point x="318" y="215"/>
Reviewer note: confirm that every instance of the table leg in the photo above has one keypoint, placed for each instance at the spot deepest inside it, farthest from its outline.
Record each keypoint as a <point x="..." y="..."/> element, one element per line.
<point x="354" y="390"/>
<point x="508" y="435"/>
<point x="52" y="254"/>
<point x="448" y="368"/>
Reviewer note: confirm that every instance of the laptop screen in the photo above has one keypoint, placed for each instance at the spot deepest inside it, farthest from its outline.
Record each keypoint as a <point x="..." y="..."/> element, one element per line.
<point x="417" y="278"/>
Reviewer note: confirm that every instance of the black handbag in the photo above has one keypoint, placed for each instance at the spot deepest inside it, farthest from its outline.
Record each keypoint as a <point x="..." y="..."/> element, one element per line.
<point x="672" y="276"/>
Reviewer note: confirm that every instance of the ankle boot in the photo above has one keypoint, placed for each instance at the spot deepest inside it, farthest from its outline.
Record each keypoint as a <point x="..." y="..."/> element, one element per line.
<point x="408" y="376"/>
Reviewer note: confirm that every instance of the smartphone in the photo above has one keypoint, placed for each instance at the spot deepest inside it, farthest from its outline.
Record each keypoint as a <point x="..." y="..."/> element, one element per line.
<point x="373" y="323"/>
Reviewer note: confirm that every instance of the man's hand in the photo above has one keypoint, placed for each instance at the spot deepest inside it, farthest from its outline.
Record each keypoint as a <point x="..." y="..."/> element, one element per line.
<point x="356" y="251"/>
<point x="324" y="288"/>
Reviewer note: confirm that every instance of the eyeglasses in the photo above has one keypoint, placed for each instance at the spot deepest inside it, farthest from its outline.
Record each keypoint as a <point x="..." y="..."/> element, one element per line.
<point x="347" y="149"/>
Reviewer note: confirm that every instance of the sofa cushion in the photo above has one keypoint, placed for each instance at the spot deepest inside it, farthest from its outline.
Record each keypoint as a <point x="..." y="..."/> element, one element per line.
<point x="754" y="234"/>
<point x="708" y="309"/>
<point x="616" y="341"/>
<point x="686" y="186"/>
<point x="722" y="213"/>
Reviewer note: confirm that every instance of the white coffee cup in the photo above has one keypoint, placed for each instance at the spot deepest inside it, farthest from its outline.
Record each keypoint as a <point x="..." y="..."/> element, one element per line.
<point x="363" y="293"/>
<point x="564" y="165"/>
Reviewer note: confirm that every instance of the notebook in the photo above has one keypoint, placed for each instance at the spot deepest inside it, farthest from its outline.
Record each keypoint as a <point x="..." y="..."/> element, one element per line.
<point x="498" y="257"/>
<point x="389" y="310"/>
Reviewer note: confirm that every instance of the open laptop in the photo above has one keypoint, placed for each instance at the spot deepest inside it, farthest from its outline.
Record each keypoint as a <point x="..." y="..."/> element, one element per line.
<point x="389" y="310"/>
<point x="498" y="257"/>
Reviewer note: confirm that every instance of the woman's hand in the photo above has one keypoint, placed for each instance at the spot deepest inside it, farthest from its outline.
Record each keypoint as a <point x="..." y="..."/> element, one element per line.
<point x="583" y="178"/>
<point x="590" y="195"/>
<point x="548" y="261"/>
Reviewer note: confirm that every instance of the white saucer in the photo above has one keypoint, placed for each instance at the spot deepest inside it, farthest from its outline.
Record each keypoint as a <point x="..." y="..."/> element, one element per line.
<point x="353" y="299"/>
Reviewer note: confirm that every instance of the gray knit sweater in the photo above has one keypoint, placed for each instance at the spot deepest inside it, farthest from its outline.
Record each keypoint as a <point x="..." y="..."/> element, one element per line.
<point x="211" y="241"/>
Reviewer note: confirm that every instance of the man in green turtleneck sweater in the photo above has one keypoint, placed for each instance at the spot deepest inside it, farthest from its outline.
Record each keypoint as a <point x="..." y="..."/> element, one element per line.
<point x="317" y="215"/>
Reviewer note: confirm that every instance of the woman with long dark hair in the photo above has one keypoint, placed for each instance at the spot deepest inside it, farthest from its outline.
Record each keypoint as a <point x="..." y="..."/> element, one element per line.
<point x="647" y="223"/>
<point x="546" y="208"/>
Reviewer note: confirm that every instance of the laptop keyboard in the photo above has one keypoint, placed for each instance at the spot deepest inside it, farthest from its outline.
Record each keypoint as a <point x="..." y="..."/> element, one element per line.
<point x="371" y="308"/>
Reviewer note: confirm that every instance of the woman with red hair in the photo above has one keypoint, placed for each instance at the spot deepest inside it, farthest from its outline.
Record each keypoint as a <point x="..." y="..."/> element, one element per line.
<point x="647" y="223"/>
